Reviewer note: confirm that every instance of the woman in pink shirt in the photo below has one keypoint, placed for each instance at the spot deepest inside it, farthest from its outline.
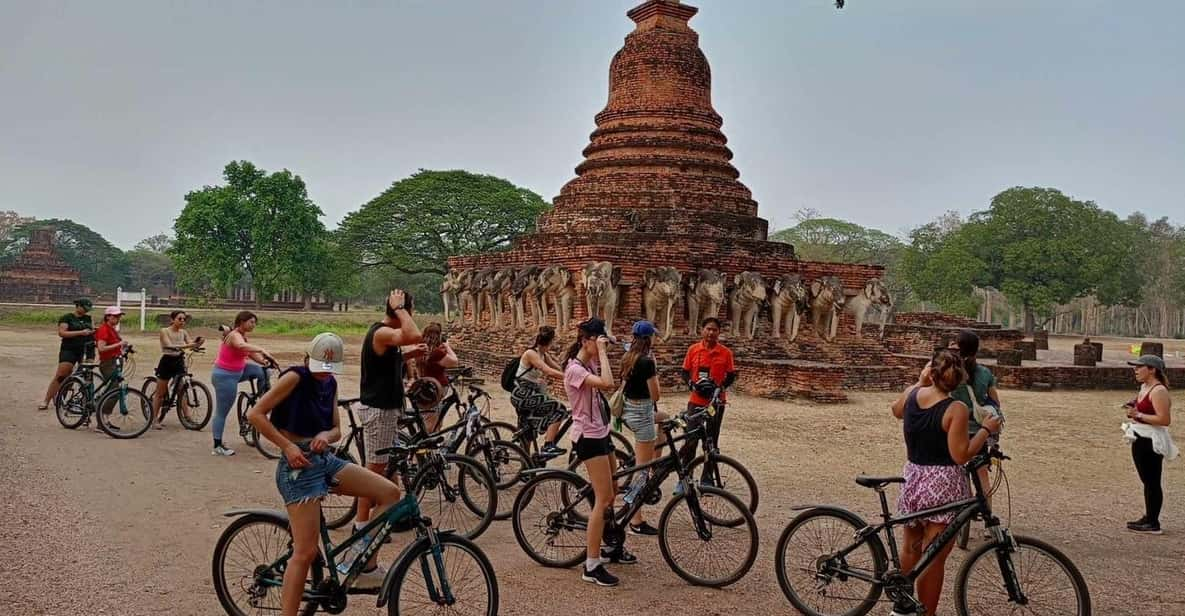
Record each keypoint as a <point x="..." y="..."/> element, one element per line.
<point x="229" y="369"/>
<point x="586" y="375"/>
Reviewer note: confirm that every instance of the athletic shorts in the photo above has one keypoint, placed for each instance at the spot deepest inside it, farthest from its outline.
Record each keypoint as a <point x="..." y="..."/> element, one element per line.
<point x="170" y="366"/>
<point x="70" y="356"/>
<point x="380" y="428"/>
<point x="589" y="448"/>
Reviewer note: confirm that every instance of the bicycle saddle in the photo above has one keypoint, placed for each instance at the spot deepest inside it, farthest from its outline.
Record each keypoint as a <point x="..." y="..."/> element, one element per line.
<point x="347" y="401"/>
<point x="404" y="449"/>
<point x="877" y="482"/>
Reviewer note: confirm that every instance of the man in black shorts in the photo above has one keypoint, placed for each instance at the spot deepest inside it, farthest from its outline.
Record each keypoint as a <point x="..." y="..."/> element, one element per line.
<point x="77" y="333"/>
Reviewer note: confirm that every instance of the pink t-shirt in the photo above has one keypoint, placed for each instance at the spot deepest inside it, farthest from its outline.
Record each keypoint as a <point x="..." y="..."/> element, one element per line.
<point x="587" y="419"/>
<point x="230" y="358"/>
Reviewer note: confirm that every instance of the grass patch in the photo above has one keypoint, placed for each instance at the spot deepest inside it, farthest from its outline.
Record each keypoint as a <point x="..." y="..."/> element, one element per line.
<point x="294" y="324"/>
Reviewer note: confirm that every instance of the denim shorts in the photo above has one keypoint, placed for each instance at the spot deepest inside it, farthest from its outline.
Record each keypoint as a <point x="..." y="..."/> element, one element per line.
<point x="639" y="416"/>
<point x="297" y="485"/>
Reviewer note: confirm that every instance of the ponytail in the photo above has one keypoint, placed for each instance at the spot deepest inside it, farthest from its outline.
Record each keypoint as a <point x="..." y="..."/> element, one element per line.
<point x="640" y="348"/>
<point x="574" y="349"/>
<point x="545" y="336"/>
<point x="968" y="343"/>
<point x="1162" y="377"/>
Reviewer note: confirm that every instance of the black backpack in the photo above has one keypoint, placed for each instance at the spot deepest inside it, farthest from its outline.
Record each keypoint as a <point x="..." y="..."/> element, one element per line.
<point x="510" y="375"/>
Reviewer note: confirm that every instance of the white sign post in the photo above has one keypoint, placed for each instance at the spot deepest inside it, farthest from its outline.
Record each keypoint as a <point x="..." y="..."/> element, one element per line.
<point x="142" y="297"/>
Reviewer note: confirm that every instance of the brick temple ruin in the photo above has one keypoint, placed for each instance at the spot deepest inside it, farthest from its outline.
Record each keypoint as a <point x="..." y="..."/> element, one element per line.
<point x="40" y="275"/>
<point x="657" y="202"/>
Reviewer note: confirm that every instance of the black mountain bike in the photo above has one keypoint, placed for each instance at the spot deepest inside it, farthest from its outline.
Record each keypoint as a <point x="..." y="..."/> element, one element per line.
<point x="831" y="562"/>
<point x="438" y="571"/>
<point x="706" y="535"/>
<point x="243" y="403"/>
<point x="189" y="396"/>
<point x="121" y="411"/>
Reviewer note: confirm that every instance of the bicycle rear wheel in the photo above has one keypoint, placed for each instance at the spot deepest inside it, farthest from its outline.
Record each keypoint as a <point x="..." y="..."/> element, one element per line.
<point x="700" y="551"/>
<point x="70" y="403"/>
<point x="250" y="435"/>
<point x="505" y="461"/>
<point x="243" y="580"/>
<point x="1049" y="581"/>
<point x="730" y="476"/>
<point x="457" y="493"/>
<point x="124" y="412"/>
<point x="194" y="405"/>
<point x="807" y="570"/>
<point x="550" y="531"/>
<point x="148" y="387"/>
<point x="462" y="567"/>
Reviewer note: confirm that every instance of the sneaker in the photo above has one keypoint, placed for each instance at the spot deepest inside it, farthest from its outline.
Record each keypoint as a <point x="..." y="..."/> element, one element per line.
<point x="1147" y="528"/>
<point x="222" y="451"/>
<point x="618" y="556"/>
<point x="643" y="529"/>
<point x="1142" y="520"/>
<point x="372" y="578"/>
<point x="550" y="451"/>
<point x="599" y="576"/>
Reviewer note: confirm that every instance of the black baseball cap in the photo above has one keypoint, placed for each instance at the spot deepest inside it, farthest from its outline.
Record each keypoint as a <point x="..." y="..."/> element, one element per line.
<point x="593" y="326"/>
<point x="84" y="302"/>
<point x="1150" y="361"/>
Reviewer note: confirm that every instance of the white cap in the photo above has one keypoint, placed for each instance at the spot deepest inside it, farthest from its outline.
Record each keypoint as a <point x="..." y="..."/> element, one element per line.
<point x="326" y="353"/>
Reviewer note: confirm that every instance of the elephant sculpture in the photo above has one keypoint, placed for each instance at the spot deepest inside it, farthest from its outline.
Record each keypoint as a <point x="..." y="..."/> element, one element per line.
<point x="555" y="288"/>
<point x="661" y="286"/>
<point x="483" y="284"/>
<point x="500" y="286"/>
<point x="524" y="292"/>
<point x="600" y="280"/>
<point x="467" y="293"/>
<point x="705" y="293"/>
<point x="874" y="294"/>
<point x="826" y="301"/>
<point x="448" y="293"/>
<point x="788" y="301"/>
<point x="748" y="293"/>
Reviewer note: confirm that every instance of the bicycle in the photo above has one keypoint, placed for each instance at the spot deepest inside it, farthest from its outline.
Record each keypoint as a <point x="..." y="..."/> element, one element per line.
<point x="996" y="479"/>
<point x="243" y="403"/>
<point x="551" y="515"/>
<point x="190" y="397"/>
<point x="78" y="399"/>
<point x="438" y="569"/>
<point x="856" y="557"/>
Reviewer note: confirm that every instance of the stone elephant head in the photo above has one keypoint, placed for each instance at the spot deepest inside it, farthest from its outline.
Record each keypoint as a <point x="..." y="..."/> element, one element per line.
<point x="449" y="293"/>
<point x="600" y="280"/>
<point x="499" y="290"/>
<point x="481" y="287"/>
<point x="788" y="302"/>
<point x="826" y="300"/>
<point x="555" y="288"/>
<point x="660" y="290"/>
<point x="524" y="290"/>
<point x="874" y="293"/>
<point x="748" y="293"/>
<point x="705" y="294"/>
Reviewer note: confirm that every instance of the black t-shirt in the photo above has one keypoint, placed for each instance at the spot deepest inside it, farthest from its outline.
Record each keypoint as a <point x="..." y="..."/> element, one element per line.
<point x="75" y="323"/>
<point x="382" y="375"/>
<point x="635" y="385"/>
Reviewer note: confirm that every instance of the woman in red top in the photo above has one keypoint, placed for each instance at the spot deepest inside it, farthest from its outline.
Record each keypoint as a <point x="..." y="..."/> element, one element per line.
<point x="108" y="342"/>
<point x="433" y="363"/>
<point x="1152" y="407"/>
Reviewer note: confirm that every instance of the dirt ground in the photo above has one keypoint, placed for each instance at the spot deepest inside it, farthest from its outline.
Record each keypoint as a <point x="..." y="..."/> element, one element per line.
<point x="128" y="527"/>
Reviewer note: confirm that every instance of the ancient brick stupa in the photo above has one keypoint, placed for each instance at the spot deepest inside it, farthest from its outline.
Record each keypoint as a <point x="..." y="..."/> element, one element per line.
<point x="657" y="189"/>
<point x="39" y="274"/>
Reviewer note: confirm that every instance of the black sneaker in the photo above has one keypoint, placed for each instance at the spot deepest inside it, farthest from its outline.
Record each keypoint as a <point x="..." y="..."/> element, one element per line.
<point x="1147" y="528"/>
<point x="618" y="556"/>
<point x="550" y="450"/>
<point x="643" y="529"/>
<point x="599" y="576"/>
<point x="1142" y="520"/>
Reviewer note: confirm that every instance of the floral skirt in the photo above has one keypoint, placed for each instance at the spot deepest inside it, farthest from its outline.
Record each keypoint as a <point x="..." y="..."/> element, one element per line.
<point x="929" y="486"/>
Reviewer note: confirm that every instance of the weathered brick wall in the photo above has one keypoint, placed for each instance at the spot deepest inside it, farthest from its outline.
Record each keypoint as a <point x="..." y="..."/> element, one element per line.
<point x="1073" y="377"/>
<point x="937" y="319"/>
<point x="917" y="339"/>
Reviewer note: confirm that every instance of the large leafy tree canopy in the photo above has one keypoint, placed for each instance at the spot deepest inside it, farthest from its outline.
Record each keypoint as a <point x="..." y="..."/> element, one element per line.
<point x="102" y="266"/>
<point x="151" y="267"/>
<point x="1036" y="245"/>
<point x="258" y="224"/>
<point x="420" y="221"/>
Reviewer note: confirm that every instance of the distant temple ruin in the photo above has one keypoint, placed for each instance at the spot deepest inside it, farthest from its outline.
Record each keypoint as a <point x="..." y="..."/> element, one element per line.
<point x="40" y="275"/>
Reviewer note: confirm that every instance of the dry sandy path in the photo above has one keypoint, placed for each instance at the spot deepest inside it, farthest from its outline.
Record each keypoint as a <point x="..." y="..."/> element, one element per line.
<point x="94" y="525"/>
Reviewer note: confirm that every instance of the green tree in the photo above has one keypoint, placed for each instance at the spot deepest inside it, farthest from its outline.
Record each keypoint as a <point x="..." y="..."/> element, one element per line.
<point x="258" y="224"/>
<point x="102" y="266"/>
<point x="420" y="221"/>
<point x="159" y="243"/>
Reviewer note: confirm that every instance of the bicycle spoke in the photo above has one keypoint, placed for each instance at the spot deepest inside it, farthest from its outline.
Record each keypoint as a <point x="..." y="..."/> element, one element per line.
<point x="465" y="577"/>
<point x="1047" y="586"/>
<point x="823" y="591"/>
<point x="725" y="554"/>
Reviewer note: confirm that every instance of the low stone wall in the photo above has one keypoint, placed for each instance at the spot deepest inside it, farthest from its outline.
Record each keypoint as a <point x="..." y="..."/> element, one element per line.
<point x="1073" y="377"/>
<point x="915" y="339"/>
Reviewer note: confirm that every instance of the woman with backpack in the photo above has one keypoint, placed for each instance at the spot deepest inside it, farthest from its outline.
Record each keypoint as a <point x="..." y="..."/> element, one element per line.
<point x="529" y="395"/>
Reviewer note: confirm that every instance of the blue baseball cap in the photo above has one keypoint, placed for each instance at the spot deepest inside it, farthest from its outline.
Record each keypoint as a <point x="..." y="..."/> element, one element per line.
<point x="644" y="329"/>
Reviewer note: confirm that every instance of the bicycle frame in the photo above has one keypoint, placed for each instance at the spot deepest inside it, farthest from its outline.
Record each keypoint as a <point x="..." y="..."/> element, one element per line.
<point x="88" y="372"/>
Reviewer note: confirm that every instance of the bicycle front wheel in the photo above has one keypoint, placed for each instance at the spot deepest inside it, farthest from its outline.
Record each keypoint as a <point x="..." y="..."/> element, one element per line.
<point x="505" y="461"/>
<point x="1048" y="581"/>
<point x="124" y="412"/>
<point x="550" y="518"/>
<point x="70" y="403"/>
<point x="728" y="475"/>
<point x="814" y="580"/>
<point x="194" y="405"/>
<point x="457" y="493"/>
<point x="244" y="579"/>
<point x="700" y="551"/>
<point x="459" y="581"/>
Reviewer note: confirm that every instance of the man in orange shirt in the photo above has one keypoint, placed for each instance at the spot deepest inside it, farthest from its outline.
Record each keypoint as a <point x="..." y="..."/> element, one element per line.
<point x="708" y="360"/>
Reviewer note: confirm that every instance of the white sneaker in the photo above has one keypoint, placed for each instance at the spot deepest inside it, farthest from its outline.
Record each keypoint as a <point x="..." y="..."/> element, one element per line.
<point x="371" y="579"/>
<point x="222" y="451"/>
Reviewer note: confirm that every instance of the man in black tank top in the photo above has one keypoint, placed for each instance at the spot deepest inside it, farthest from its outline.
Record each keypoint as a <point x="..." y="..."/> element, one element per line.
<point x="381" y="391"/>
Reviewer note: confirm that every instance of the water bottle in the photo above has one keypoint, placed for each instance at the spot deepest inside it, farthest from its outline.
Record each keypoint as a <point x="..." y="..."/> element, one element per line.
<point x="636" y="486"/>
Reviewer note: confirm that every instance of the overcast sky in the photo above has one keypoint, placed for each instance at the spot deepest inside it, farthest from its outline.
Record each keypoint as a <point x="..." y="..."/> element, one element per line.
<point x="886" y="113"/>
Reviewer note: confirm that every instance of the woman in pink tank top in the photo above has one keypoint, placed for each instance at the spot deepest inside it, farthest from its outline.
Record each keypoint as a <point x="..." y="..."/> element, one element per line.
<point x="231" y="368"/>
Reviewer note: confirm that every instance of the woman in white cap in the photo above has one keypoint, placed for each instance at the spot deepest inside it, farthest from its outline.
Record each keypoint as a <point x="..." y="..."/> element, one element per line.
<point x="299" y="415"/>
<point x="1151" y="443"/>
